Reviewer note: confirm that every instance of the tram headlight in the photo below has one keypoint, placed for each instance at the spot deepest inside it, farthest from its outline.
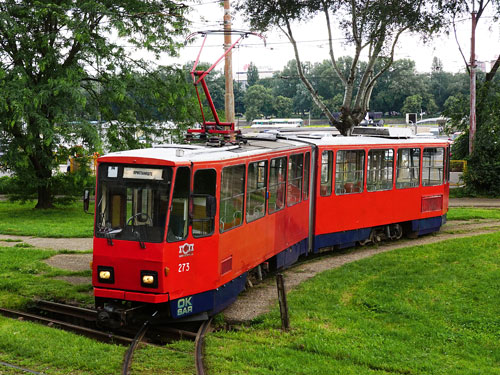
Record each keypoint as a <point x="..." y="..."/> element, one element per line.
<point x="105" y="274"/>
<point x="149" y="279"/>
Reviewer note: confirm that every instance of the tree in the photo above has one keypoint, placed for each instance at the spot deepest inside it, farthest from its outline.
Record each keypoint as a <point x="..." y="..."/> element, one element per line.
<point x="483" y="168"/>
<point x="252" y="74"/>
<point x="286" y="81"/>
<point x="302" y="100"/>
<point x="367" y="25"/>
<point x="412" y="104"/>
<point x="258" y="102"/>
<point x="395" y="85"/>
<point x="52" y="52"/>
<point x="283" y="106"/>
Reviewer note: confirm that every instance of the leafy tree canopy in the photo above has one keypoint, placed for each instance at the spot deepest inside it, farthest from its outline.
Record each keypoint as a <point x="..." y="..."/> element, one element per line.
<point x="56" y="55"/>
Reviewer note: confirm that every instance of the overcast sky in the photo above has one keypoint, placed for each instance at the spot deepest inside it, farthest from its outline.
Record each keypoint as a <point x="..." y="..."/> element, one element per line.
<point x="314" y="47"/>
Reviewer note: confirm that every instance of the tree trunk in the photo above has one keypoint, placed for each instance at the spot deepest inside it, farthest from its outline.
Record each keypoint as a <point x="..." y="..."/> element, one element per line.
<point x="43" y="175"/>
<point x="45" y="199"/>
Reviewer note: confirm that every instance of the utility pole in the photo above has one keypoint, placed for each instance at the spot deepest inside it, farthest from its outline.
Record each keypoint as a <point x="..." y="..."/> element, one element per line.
<point x="472" y="129"/>
<point x="228" y="68"/>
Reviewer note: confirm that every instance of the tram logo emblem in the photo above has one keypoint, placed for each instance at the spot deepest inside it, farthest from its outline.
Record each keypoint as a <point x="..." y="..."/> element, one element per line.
<point x="186" y="250"/>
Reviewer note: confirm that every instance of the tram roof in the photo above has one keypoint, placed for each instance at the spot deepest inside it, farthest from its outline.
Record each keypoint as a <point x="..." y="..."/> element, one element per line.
<point x="258" y="144"/>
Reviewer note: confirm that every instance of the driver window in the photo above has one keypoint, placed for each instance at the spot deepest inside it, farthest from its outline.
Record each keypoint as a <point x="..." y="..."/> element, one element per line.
<point x="139" y="206"/>
<point x="178" y="222"/>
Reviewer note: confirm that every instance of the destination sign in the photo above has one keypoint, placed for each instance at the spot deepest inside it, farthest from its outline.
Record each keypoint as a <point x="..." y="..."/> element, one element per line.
<point x="143" y="173"/>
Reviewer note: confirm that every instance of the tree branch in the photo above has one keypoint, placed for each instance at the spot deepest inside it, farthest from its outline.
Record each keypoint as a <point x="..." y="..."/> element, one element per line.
<point x="304" y="79"/>
<point x="332" y="57"/>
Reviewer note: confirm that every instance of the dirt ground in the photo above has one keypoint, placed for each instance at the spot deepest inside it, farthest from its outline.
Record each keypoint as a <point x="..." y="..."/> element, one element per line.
<point x="260" y="299"/>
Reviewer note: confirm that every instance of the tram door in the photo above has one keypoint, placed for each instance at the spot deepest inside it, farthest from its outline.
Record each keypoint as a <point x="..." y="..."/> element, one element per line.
<point x="191" y="226"/>
<point x="203" y="208"/>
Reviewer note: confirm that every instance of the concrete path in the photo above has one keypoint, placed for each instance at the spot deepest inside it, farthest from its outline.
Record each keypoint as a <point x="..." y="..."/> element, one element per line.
<point x="79" y="244"/>
<point x="475" y="202"/>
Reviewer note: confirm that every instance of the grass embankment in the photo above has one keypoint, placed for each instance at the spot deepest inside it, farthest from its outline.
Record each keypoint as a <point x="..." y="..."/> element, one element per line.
<point x="421" y="310"/>
<point x="64" y="221"/>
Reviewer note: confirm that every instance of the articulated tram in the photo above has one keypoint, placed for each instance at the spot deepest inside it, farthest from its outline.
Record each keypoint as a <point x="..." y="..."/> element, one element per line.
<point x="178" y="228"/>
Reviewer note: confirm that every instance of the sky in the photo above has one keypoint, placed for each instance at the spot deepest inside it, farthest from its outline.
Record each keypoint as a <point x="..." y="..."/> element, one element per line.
<point x="312" y="38"/>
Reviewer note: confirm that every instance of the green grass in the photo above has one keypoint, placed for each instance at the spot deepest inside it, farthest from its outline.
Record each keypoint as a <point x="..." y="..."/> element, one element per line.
<point x="53" y="351"/>
<point x="469" y="213"/>
<point x="65" y="221"/>
<point x="24" y="276"/>
<point x="430" y="309"/>
<point x="420" y="310"/>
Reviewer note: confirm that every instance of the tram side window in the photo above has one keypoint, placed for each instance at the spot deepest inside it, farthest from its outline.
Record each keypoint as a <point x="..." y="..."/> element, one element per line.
<point x="307" y="164"/>
<point x="326" y="173"/>
<point x="432" y="166"/>
<point x="349" y="171"/>
<point x="294" y="187"/>
<point x="204" y="204"/>
<point x="232" y="196"/>
<point x="380" y="170"/>
<point x="277" y="184"/>
<point x="179" y="211"/>
<point x="408" y="168"/>
<point x="256" y="190"/>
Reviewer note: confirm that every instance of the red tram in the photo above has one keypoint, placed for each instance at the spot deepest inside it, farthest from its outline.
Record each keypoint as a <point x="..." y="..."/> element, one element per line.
<point x="178" y="228"/>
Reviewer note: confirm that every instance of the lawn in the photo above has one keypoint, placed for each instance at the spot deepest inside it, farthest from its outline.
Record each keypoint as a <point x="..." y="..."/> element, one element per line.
<point x="24" y="276"/>
<point x="63" y="221"/>
<point x="421" y="310"/>
<point x="429" y="309"/>
<point x="470" y="213"/>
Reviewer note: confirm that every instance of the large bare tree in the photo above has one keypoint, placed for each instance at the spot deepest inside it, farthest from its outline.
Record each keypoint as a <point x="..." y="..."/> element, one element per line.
<point x="371" y="27"/>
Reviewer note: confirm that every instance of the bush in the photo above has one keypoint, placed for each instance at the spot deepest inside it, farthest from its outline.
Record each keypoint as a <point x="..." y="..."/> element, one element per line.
<point x="6" y="185"/>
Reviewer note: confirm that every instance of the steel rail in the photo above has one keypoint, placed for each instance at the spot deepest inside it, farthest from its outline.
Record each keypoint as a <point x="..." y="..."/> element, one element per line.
<point x="127" y="361"/>
<point x="92" y="333"/>
<point x="89" y="315"/>
<point x="23" y="369"/>
<point x="198" y="354"/>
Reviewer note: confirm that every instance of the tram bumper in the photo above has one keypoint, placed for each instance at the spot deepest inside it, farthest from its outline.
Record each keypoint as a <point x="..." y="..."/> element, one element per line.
<point x="131" y="296"/>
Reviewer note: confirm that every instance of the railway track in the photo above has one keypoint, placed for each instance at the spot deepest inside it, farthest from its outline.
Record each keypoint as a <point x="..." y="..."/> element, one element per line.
<point x="82" y="321"/>
<point x="56" y="323"/>
<point x="198" y="352"/>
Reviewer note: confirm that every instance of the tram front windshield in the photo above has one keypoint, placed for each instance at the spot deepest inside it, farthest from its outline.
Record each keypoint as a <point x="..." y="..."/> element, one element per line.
<point x="132" y="202"/>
